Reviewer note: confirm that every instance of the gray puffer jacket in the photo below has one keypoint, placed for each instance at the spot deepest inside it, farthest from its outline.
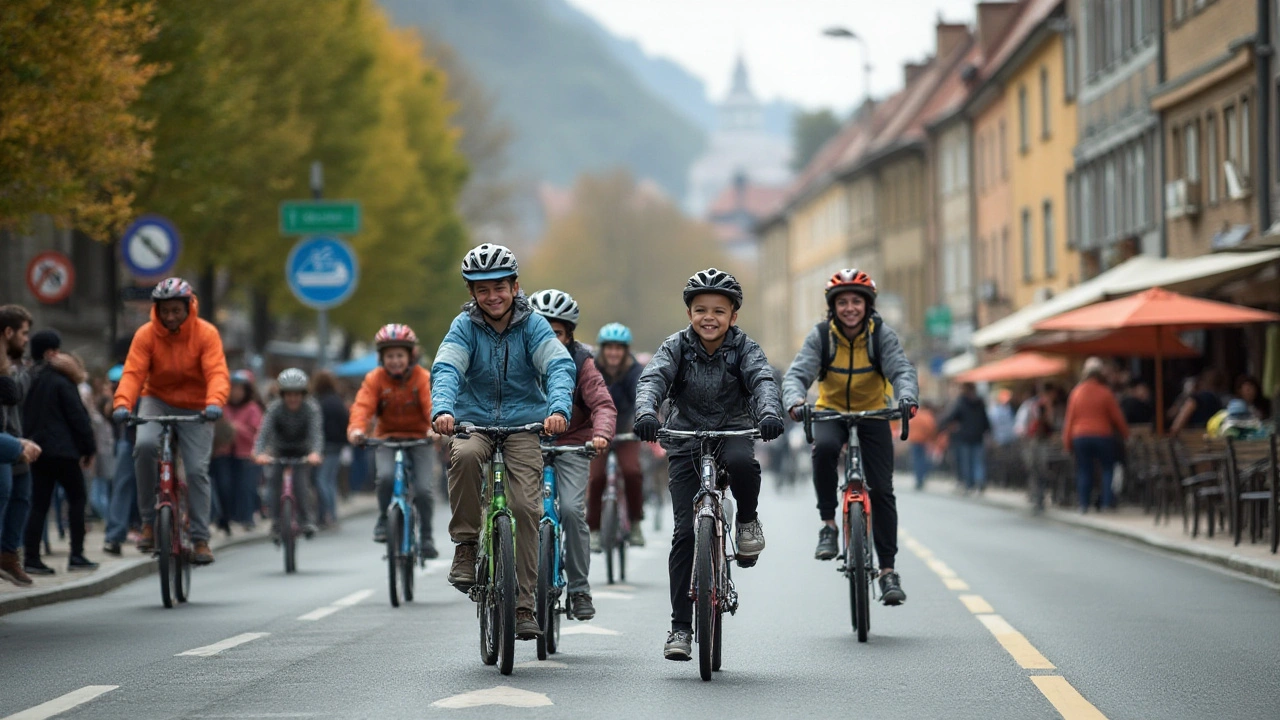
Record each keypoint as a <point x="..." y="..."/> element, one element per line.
<point x="711" y="396"/>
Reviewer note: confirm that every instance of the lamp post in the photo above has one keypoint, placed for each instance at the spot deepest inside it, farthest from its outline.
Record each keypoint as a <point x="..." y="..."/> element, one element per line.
<point x="844" y="33"/>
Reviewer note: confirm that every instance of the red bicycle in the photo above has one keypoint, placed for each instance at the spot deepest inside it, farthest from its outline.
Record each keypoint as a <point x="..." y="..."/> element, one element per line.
<point x="287" y="513"/>
<point x="172" y="526"/>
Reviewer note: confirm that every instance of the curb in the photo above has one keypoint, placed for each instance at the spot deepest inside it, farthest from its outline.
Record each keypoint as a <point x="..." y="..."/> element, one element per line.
<point x="102" y="582"/>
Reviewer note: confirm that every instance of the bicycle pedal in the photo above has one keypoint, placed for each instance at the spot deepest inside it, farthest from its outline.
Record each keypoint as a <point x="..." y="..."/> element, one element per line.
<point x="842" y="569"/>
<point x="747" y="561"/>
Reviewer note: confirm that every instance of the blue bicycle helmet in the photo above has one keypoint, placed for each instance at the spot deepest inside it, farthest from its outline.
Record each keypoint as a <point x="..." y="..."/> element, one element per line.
<point x="614" y="333"/>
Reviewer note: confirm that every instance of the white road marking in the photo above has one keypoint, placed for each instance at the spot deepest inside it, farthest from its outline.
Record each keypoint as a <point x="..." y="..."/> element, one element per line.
<point x="354" y="598"/>
<point x="610" y="595"/>
<point x="500" y="695"/>
<point x="214" y="649"/>
<point x="587" y="629"/>
<point x="533" y="664"/>
<point x="321" y="613"/>
<point x="622" y="587"/>
<point x="59" y="705"/>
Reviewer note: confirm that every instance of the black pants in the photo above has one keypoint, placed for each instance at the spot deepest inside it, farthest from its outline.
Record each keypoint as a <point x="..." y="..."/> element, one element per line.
<point x="876" y="439"/>
<point x="46" y="473"/>
<point x="735" y="455"/>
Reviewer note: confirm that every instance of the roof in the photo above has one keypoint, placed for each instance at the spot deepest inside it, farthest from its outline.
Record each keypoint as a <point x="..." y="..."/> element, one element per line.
<point x="1033" y="13"/>
<point x="760" y="200"/>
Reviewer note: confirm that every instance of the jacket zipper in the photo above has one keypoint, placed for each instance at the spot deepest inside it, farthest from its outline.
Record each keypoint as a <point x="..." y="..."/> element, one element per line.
<point x="848" y="384"/>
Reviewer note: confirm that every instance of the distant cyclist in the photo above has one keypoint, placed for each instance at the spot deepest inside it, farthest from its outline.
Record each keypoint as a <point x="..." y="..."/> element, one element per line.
<point x="621" y="371"/>
<point x="859" y="365"/>
<point x="292" y="428"/>
<point x="177" y="365"/>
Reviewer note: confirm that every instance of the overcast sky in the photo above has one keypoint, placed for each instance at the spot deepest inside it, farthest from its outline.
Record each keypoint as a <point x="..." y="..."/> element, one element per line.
<point x="782" y="41"/>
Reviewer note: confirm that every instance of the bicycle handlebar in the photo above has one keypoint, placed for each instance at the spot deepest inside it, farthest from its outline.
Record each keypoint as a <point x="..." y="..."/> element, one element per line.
<point x="166" y="419"/>
<point x="625" y="437"/>
<point x="396" y="444"/>
<point x="708" y="434"/>
<point x="288" y="461"/>
<point x="500" y="430"/>
<point x="589" y="450"/>
<point x="810" y="416"/>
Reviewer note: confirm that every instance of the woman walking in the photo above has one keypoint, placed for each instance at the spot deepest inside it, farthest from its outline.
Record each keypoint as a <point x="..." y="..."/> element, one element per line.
<point x="1093" y="432"/>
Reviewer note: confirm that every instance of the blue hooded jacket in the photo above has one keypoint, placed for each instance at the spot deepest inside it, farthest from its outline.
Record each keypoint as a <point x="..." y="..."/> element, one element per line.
<point x="518" y="377"/>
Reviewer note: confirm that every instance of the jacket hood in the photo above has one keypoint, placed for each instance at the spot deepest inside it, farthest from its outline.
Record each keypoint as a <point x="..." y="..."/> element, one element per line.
<point x="186" y="328"/>
<point x="733" y="338"/>
<point x="520" y="311"/>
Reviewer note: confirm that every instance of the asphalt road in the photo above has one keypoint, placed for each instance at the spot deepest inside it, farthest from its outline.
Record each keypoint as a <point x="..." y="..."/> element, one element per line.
<point x="1007" y="617"/>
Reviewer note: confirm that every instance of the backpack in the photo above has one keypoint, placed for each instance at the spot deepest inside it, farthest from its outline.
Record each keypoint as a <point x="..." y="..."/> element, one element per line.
<point x="827" y="356"/>
<point x="688" y="354"/>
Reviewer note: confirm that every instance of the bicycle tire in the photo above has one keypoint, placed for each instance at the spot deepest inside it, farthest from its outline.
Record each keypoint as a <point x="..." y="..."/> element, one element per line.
<point x="408" y="557"/>
<point x="181" y="562"/>
<point x="544" y="609"/>
<point x="164" y="546"/>
<point x="705" y="610"/>
<point x="622" y="561"/>
<point x="288" y="539"/>
<point x="394" y="523"/>
<point x="609" y="536"/>
<point x="505" y="584"/>
<point x="857" y="570"/>
<point x="487" y="608"/>
<point x="716" y="653"/>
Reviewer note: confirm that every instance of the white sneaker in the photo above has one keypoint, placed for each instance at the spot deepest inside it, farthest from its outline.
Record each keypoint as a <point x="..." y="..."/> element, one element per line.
<point x="750" y="538"/>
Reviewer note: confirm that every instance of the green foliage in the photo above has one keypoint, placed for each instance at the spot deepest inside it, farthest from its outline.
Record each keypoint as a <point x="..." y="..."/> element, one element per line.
<point x="810" y="131"/>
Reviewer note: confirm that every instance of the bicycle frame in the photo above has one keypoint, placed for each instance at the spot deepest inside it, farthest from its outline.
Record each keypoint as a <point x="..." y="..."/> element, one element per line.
<point x="551" y="502"/>
<point x="402" y="490"/>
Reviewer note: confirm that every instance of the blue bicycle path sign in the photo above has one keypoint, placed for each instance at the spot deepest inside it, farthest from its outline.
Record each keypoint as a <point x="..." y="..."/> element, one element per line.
<point x="322" y="272"/>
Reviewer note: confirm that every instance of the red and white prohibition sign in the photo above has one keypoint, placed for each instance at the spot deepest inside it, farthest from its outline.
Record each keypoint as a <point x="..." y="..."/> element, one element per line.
<point x="50" y="277"/>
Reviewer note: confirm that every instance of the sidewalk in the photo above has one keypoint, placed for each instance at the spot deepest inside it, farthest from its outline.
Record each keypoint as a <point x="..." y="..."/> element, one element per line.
<point x="116" y="571"/>
<point x="1131" y="524"/>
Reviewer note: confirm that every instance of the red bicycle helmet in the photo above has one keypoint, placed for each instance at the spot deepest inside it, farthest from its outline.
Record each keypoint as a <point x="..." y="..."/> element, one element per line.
<point x="851" y="280"/>
<point x="395" y="335"/>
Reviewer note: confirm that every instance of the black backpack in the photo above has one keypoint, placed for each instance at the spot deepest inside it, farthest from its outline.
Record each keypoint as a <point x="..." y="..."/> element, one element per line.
<point x="688" y="354"/>
<point x="873" y="344"/>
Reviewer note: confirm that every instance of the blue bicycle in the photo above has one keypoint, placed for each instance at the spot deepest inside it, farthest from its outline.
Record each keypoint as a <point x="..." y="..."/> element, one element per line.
<point x="551" y="581"/>
<point x="404" y="546"/>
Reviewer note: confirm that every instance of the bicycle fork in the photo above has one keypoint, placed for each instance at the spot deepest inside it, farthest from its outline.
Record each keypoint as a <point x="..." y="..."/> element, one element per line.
<point x="708" y="503"/>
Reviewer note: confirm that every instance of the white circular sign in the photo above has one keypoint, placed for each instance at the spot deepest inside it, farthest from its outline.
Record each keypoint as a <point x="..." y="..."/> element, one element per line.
<point x="150" y="246"/>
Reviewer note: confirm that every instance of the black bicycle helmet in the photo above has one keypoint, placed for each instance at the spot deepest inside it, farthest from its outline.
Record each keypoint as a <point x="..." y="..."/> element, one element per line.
<point x="714" y="281"/>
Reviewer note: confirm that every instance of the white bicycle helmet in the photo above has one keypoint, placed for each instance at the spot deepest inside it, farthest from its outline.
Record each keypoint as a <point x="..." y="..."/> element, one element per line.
<point x="555" y="305"/>
<point x="489" y="262"/>
<point x="292" y="380"/>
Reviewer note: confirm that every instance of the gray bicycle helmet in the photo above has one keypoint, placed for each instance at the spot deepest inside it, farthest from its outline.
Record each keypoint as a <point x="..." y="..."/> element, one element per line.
<point x="489" y="262"/>
<point x="174" y="288"/>
<point x="555" y="305"/>
<point x="715" y="281"/>
<point x="292" y="380"/>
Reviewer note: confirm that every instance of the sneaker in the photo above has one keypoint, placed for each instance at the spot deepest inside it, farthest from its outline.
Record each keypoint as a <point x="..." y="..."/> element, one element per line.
<point x="80" y="562"/>
<point x="429" y="550"/>
<point x="463" y="572"/>
<point x="527" y="625"/>
<point x="112" y="548"/>
<point x="679" y="646"/>
<point x="380" y="530"/>
<point x="34" y="566"/>
<point x="309" y="530"/>
<point x="891" y="589"/>
<point x="11" y="570"/>
<point x="201" y="554"/>
<point x="750" y="538"/>
<point x="147" y="541"/>
<point x="636" y="538"/>
<point x="596" y="547"/>
<point x="827" y="549"/>
<point x="581" y="607"/>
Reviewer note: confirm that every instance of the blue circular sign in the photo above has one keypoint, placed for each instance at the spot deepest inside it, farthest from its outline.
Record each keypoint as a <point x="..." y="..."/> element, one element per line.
<point x="150" y="246"/>
<point x="322" y="272"/>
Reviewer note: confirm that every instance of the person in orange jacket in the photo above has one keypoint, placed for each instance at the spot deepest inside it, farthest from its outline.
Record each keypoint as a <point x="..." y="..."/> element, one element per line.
<point x="395" y="398"/>
<point x="177" y="365"/>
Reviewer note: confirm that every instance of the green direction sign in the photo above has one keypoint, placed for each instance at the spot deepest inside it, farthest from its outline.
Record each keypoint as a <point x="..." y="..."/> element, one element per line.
<point x="319" y="217"/>
<point x="937" y="321"/>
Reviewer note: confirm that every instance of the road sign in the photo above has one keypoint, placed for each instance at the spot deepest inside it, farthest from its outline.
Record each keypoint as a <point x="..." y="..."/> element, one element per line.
<point x="50" y="277"/>
<point x="937" y="321"/>
<point x="313" y="217"/>
<point x="150" y="246"/>
<point x="322" y="272"/>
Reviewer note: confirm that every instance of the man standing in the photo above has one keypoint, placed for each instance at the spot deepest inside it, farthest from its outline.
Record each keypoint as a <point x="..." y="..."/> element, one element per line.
<point x="15" y="496"/>
<point x="969" y="425"/>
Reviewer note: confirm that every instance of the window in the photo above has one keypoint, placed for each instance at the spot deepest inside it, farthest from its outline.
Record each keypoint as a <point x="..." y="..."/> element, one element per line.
<point x="1111" y="200"/>
<point x="1026" y="245"/>
<point x="1069" y="50"/>
<point x="1004" y="156"/>
<point x="1073" y="207"/>
<point x="1023" y="121"/>
<point x="1232" y="130"/>
<point x="1246" y="122"/>
<point x="1088" y="230"/>
<point x="1050" y="258"/>
<point x="1211" y="155"/>
<point x="1044" y="103"/>
<point x="1191" y="135"/>
<point x="1139" y="22"/>
<point x="1179" y="162"/>
<point x="1117" y="30"/>
<point x="1006" y="280"/>
<point x="1179" y="10"/>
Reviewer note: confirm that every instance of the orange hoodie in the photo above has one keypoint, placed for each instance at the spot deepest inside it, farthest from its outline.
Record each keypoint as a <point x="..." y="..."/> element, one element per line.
<point x="401" y="407"/>
<point x="186" y="369"/>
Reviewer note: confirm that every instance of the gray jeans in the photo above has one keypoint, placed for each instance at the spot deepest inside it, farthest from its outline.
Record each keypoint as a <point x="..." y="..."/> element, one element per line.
<point x="195" y="444"/>
<point x="571" y="482"/>
<point x="423" y="459"/>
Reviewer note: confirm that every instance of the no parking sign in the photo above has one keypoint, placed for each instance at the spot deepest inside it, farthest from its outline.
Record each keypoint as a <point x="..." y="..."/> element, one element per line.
<point x="50" y="277"/>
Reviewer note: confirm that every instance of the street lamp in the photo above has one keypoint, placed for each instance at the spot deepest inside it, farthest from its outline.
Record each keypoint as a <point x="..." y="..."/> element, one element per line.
<point x="844" y="33"/>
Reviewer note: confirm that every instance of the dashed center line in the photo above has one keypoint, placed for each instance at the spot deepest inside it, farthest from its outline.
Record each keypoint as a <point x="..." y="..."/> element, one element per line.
<point x="214" y="649"/>
<point x="354" y="598"/>
<point x="59" y="705"/>
<point x="1016" y="644"/>
<point x="1066" y="699"/>
<point x="976" y="604"/>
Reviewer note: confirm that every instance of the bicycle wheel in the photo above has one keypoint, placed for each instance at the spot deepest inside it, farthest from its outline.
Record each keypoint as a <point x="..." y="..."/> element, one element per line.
<point x="609" y="535"/>
<point x="705" y="612"/>
<point x="544" y="609"/>
<point x="488" y="611"/>
<point x="717" y="641"/>
<point x="164" y="546"/>
<point x="409" y="552"/>
<point x="504" y="571"/>
<point x="288" y="540"/>
<point x="182" y="560"/>
<point x="856" y="569"/>
<point x="395" y="521"/>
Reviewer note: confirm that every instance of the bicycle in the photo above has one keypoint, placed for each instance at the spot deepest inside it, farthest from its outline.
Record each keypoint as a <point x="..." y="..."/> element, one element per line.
<point x="711" y="586"/>
<point x="496" y="590"/>
<point x="287" y="513"/>
<point x="404" y="528"/>
<point x="859" y="565"/>
<point x="551" y="582"/>
<point x="615" y="519"/>
<point x="172" y="526"/>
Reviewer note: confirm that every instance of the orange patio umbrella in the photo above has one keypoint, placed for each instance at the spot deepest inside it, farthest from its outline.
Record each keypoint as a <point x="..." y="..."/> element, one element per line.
<point x="1022" y="366"/>
<point x="1130" y="342"/>
<point x="1156" y="309"/>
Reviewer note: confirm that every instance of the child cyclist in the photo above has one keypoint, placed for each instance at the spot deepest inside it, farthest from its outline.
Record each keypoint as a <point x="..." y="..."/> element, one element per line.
<point x="621" y="372"/>
<point x="722" y="381"/>
<point x="594" y="418"/>
<point x="292" y="428"/>
<point x="499" y="364"/>
<point x="395" y="398"/>
<point x="859" y="365"/>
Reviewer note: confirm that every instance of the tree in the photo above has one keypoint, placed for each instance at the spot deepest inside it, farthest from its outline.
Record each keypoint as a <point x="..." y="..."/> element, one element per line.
<point x="810" y="131"/>
<point x="70" y="145"/>
<point x="624" y="252"/>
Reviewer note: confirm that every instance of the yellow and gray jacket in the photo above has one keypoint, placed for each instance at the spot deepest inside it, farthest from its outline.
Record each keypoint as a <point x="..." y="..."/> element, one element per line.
<point x="866" y="373"/>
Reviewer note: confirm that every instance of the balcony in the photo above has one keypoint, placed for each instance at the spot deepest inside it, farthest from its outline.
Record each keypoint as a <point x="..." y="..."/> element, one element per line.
<point x="1182" y="199"/>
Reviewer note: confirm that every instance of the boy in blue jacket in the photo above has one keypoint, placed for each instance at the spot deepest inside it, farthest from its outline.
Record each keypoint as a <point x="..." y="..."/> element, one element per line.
<point x="499" y="364"/>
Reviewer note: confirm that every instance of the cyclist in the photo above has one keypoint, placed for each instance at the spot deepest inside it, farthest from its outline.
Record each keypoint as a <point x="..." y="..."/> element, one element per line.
<point x="717" y="379"/>
<point x="621" y="371"/>
<point x="859" y="365"/>
<point x="291" y="428"/>
<point x="499" y="364"/>
<point x="397" y="395"/>
<point x="177" y="366"/>
<point x="594" y="419"/>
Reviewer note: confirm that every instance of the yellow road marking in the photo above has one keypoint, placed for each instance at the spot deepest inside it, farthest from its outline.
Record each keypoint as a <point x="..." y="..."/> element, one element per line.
<point x="1016" y="644"/>
<point x="940" y="568"/>
<point x="976" y="604"/>
<point x="1066" y="699"/>
<point x="955" y="584"/>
